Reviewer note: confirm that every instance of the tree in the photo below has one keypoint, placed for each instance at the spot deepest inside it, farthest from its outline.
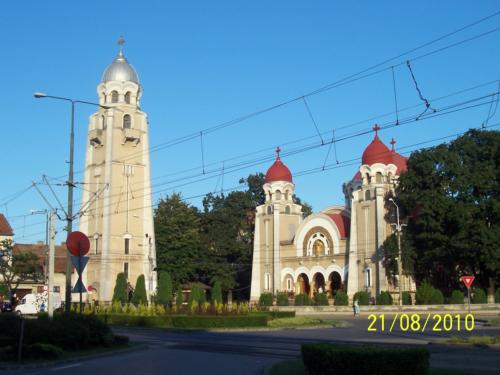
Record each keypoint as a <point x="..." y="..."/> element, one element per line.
<point x="120" y="293"/>
<point x="164" y="295"/>
<point x="18" y="268"/>
<point x="140" y="295"/>
<point x="178" y="297"/>
<point x="216" y="293"/>
<point x="178" y="248"/>
<point x="450" y="194"/>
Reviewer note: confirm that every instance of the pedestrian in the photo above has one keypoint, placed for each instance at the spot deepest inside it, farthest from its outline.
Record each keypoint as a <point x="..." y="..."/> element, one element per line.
<point x="356" y="308"/>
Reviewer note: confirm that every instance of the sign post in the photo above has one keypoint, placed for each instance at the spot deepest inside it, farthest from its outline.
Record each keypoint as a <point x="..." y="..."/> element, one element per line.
<point x="78" y="245"/>
<point x="468" y="280"/>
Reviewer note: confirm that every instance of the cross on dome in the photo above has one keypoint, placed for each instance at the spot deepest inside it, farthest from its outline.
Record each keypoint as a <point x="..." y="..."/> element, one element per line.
<point x="392" y="142"/>
<point x="376" y="128"/>
<point x="278" y="150"/>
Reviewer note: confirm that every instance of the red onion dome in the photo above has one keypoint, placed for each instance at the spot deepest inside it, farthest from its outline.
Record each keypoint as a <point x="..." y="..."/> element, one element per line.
<point x="278" y="171"/>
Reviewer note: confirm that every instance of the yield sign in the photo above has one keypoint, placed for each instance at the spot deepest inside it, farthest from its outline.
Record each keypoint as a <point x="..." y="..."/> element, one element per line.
<point x="467" y="280"/>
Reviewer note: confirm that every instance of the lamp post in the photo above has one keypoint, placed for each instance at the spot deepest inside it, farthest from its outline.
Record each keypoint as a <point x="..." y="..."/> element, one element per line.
<point x="70" y="182"/>
<point x="399" y="229"/>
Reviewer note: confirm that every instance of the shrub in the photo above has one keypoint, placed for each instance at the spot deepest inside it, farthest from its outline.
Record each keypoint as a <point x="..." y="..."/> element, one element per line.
<point x="164" y="294"/>
<point x="282" y="299"/>
<point x="437" y="297"/>
<point x="266" y="299"/>
<point x="497" y="296"/>
<point x="479" y="296"/>
<point x="302" y="300"/>
<point x="138" y="321"/>
<point x="216" y="293"/>
<point x="341" y="299"/>
<point x="457" y="297"/>
<point x="140" y="295"/>
<point x="407" y="298"/>
<point x="197" y="295"/>
<point x="329" y="359"/>
<point x="384" y="298"/>
<point x="254" y="320"/>
<point x="40" y="350"/>
<point x="428" y="295"/>
<point x="362" y="297"/>
<point x="320" y="299"/>
<point x="278" y="314"/>
<point x="121" y="340"/>
<point x="178" y="297"/>
<point x="120" y="293"/>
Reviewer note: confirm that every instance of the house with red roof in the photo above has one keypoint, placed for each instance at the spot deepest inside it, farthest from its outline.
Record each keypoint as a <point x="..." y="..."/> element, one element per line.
<point x="338" y="248"/>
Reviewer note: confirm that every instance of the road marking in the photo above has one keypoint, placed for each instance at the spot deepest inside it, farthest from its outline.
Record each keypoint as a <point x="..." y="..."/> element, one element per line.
<point x="65" y="367"/>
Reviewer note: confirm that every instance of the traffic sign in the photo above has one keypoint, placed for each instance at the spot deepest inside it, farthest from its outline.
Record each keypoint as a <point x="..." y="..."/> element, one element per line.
<point x="78" y="243"/>
<point x="79" y="263"/>
<point x="79" y="287"/>
<point x="467" y="280"/>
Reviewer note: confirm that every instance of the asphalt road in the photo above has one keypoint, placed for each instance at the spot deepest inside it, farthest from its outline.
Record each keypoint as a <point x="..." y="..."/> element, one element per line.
<point x="249" y="352"/>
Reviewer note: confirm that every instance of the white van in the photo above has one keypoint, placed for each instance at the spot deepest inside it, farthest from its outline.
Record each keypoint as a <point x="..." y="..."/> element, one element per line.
<point x="35" y="303"/>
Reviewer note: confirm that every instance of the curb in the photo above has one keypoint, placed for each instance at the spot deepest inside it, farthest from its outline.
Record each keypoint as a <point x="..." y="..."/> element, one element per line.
<point x="75" y="359"/>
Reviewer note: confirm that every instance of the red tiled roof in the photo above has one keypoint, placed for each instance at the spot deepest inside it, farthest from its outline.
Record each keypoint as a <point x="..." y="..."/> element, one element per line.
<point x="40" y="250"/>
<point x="5" y="228"/>
<point x="343" y="224"/>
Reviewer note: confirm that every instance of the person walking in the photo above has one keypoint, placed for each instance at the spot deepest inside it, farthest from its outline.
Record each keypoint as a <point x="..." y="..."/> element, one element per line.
<point x="356" y="308"/>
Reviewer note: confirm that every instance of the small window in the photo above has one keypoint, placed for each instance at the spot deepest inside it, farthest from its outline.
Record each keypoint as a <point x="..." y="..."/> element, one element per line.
<point x="277" y="195"/>
<point x="104" y="97"/>
<point x="269" y="210"/>
<point x="368" y="278"/>
<point x="126" y="122"/>
<point x="267" y="281"/>
<point x="378" y="178"/>
<point x="287" y="210"/>
<point x="368" y="178"/>
<point x="127" y="246"/>
<point x="103" y="122"/>
<point x="57" y="289"/>
<point x="289" y="284"/>
<point x="367" y="195"/>
<point x="125" y="269"/>
<point x="97" y="245"/>
<point x="114" y="97"/>
<point x="127" y="97"/>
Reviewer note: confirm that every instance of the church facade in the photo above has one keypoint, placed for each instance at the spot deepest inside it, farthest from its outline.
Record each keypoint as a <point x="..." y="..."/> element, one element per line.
<point x="116" y="204"/>
<point x="338" y="248"/>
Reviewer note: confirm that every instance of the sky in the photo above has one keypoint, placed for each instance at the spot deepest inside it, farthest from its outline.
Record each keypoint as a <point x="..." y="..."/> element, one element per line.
<point x="202" y="64"/>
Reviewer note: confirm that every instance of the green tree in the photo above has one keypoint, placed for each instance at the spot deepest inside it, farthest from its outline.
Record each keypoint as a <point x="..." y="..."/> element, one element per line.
<point x="140" y="295"/>
<point x="17" y="267"/>
<point x="216" y="293"/>
<point x="450" y="195"/>
<point x="178" y="297"/>
<point x="197" y="295"/>
<point x="120" y="292"/>
<point x="164" y="295"/>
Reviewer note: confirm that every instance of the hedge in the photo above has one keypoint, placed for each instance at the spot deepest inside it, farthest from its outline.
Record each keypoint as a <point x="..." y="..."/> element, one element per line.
<point x="276" y="314"/>
<point x="341" y="299"/>
<point x="136" y="320"/>
<point x="362" y="297"/>
<point x="457" y="297"/>
<point x="302" y="300"/>
<point x="497" y="296"/>
<point x="282" y="299"/>
<point x="478" y="296"/>
<point x="331" y="359"/>
<point x="427" y="295"/>
<point x="228" y="321"/>
<point x="407" y="298"/>
<point x="266" y="299"/>
<point x="384" y="298"/>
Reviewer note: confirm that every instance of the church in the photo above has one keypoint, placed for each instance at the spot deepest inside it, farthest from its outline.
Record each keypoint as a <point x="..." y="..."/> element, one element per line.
<point x="338" y="248"/>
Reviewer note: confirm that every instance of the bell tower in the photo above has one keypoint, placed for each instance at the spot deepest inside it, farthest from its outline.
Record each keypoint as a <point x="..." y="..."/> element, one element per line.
<point x="116" y="204"/>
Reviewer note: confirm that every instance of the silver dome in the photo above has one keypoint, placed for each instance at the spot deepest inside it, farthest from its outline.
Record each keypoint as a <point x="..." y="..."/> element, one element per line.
<point x="120" y="70"/>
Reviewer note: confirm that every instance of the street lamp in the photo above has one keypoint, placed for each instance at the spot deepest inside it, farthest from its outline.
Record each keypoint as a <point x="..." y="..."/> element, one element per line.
<point x="70" y="182"/>
<point x="399" y="229"/>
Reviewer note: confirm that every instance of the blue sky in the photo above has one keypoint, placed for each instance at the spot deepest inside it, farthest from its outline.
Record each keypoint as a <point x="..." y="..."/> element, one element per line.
<point x="204" y="63"/>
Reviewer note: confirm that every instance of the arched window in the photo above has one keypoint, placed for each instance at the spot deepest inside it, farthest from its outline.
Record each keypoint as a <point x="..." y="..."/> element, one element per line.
<point x="277" y="195"/>
<point x="114" y="96"/>
<point x="378" y="178"/>
<point x="104" y="97"/>
<point x="367" y="195"/>
<point x="368" y="178"/>
<point x="287" y="210"/>
<point x="287" y="195"/>
<point x="269" y="210"/>
<point x="127" y="122"/>
<point x="103" y="123"/>
<point x="127" y="97"/>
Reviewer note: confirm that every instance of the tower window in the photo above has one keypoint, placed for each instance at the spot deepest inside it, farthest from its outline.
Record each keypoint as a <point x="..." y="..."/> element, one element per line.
<point x="103" y="123"/>
<point x="127" y="97"/>
<point x="269" y="210"/>
<point x="125" y="269"/>
<point x="367" y="195"/>
<point x="287" y="209"/>
<point x="277" y="195"/>
<point x="368" y="278"/>
<point x="97" y="245"/>
<point x="267" y="281"/>
<point x="114" y="96"/>
<point x="127" y="246"/>
<point x="127" y="122"/>
<point x="378" y="178"/>
<point x="104" y="97"/>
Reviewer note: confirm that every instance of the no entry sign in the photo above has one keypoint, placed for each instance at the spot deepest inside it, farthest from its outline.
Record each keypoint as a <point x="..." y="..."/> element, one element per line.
<point x="467" y="280"/>
<point x="78" y="243"/>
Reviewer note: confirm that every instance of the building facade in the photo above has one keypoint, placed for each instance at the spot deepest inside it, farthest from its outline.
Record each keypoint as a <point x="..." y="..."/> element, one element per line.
<point x="116" y="204"/>
<point x="338" y="248"/>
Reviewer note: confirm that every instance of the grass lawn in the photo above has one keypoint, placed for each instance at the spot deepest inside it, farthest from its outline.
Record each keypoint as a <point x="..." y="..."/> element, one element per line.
<point x="475" y="340"/>
<point x="296" y="367"/>
<point x="494" y="322"/>
<point x="302" y="321"/>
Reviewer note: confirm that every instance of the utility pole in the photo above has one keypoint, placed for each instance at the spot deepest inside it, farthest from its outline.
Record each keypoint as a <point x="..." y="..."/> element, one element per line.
<point x="52" y="247"/>
<point x="399" y="229"/>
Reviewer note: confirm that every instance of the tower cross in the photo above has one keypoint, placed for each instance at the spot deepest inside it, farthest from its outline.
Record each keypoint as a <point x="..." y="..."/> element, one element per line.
<point x="121" y="42"/>
<point x="376" y="128"/>
<point x="278" y="150"/>
<point x="393" y="142"/>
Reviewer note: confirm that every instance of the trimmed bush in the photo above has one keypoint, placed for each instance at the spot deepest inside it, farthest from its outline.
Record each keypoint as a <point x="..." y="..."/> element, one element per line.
<point x="266" y="299"/>
<point x="362" y="297"/>
<point x="280" y="314"/>
<point x="120" y="293"/>
<point x="331" y="359"/>
<point x="479" y="296"/>
<point x="341" y="299"/>
<point x="164" y="294"/>
<point x="497" y="296"/>
<point x="457" y="297"/>
<point x="40" y="350"/>
<point x="282" y="299"/>
<point x="384" y="298"/>
<point x="216" y="296"/>
<point x="178" y="297"/>
<point x="138" y="321"/>
<point x="428" y="295"/>
<point x="407" y="298"/>
<point x="302" y="300"/>
<point x="437" y="297"/>
<point x="321" y="299"/>
<point x="197" y="295"/>
<point x="220" y="321"/>
<point x="140" y="295"/>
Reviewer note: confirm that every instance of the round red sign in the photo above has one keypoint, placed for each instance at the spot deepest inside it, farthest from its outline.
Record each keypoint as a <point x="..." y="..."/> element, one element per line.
<point x="78" y="243"/>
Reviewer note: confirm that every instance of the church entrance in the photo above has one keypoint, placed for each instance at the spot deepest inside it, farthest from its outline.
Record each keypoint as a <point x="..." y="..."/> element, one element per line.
<point x="303" y="284"/>
<point x="335" y="283"/>
<point x="319" y="283"/>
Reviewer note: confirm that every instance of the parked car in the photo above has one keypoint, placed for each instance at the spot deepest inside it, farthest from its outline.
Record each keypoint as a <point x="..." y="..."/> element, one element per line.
<point x="5" y="306"/>
<point x="34" y="303"/>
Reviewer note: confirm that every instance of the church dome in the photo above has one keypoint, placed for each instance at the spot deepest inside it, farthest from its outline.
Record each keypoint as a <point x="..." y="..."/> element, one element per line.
<point x="376" y="151"/>
<point x="120" y="70"/>
<point x="278" y="171"/>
